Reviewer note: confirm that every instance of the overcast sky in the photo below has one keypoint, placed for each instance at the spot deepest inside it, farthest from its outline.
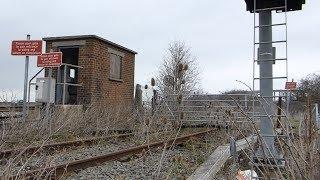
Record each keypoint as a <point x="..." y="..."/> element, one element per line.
<point x="219" y="33"/>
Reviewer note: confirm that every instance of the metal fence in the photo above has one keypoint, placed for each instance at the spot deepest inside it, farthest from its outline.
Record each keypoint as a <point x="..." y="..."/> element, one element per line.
<point x="217" y="109"/>
<point x="220" y="109"/>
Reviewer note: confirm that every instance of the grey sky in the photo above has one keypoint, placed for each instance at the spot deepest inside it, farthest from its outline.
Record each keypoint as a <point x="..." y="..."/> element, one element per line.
<point x="219" y="33"/>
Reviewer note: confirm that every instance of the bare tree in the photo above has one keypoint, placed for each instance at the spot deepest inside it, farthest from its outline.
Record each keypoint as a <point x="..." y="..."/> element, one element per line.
<point x="179" y="73"/>
<point x="309" y="85"/>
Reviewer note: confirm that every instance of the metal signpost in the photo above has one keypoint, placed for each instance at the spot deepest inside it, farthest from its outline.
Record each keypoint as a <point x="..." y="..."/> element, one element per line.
<point x="25" y="86"/>
<point x="26" y="48"/>
<point x="49" y="60"/>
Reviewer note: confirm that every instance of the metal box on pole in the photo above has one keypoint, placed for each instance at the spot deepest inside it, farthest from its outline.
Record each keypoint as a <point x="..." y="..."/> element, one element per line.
<point x="42" y="87"/>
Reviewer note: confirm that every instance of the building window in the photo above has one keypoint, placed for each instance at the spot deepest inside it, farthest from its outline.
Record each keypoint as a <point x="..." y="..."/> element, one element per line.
<point x="115" y="67"/>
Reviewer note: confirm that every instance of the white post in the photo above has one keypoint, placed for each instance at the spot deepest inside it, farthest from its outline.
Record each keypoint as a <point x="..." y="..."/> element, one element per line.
<point x="25" y="89"/>
<point x="288" y="101"/>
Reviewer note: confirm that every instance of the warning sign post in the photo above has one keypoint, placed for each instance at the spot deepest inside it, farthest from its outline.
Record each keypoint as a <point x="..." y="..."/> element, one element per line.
<point x="53" y="59"/>
<point x="49" y="60"/>
<point x="291" y="86"/>
<point x="26" y="48"/>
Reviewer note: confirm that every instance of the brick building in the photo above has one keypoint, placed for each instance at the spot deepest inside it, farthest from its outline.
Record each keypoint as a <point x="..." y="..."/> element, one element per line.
<point x="94" y="70"/>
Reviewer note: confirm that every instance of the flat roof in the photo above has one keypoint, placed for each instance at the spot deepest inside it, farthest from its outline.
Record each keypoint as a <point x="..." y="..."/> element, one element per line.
<point x="87" y="37"/>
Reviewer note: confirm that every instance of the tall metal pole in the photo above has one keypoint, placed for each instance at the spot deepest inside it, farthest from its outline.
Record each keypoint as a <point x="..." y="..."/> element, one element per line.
<point x="49" y="99"/>
<point x="266" y="81"/>
<point x="59" y="88"/>
<point x="25" y="89"/>
<point x="64" y="85"/>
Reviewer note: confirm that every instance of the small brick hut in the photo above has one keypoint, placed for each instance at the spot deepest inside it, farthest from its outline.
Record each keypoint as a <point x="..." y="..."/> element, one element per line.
<point x="94" y="71"/>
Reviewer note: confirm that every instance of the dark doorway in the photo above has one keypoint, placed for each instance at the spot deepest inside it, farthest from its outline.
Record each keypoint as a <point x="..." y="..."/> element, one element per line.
<point x="70" y="58"/>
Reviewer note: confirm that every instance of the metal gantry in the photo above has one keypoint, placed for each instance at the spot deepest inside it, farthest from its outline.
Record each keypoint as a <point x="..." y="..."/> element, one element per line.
<point x="264" y="56"/>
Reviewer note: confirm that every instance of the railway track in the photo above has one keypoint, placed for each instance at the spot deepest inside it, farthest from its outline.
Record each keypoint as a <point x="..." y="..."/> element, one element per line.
<point x="60" y="145"/>
<point x="57" y="146"/>
<point x="54" y="172"/>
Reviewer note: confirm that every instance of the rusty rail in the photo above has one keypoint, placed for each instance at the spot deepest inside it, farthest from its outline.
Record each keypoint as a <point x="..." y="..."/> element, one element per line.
<point x="60" y="145"/>
<point x="14" y="108"/>
<point x="59" y="170"/>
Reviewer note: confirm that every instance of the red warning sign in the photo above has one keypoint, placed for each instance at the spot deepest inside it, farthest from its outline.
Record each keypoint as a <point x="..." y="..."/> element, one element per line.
<point x="291" y="85"/>
<point x="26" y="48"/>
<point x="50" y="59"/>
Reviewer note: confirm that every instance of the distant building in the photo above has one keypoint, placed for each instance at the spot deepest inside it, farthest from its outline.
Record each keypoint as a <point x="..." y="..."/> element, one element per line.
<point x="94" y="70"/>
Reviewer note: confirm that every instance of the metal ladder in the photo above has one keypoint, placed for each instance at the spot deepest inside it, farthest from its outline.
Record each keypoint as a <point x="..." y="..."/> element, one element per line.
<point x="256" y="114"/>
<point x="255" y="44"/>
<point x="275" y="59"/>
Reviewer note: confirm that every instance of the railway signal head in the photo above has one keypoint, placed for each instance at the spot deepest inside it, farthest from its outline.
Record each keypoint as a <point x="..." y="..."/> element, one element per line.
<point x="278" y="5"/>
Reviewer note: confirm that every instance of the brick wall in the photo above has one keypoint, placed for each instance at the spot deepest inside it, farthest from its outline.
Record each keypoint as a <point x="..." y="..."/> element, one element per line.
<point x="97" y="87"/>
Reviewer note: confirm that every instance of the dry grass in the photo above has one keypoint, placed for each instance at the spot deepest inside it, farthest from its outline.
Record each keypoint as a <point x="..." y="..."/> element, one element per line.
<point x="76" y="122"/>
<point x="297" y="144"/>
<point x="95" y="120"/>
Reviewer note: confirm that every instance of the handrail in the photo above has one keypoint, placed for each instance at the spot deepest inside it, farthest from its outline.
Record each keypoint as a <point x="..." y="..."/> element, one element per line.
<point x="70" y="84"/>
<point x="30" y="82"/>
<point x="63" y="83"/>
<point x="71" y="65"/>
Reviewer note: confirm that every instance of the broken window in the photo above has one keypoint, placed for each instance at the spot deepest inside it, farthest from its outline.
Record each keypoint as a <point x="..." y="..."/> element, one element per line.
<point x="115" y="66"/>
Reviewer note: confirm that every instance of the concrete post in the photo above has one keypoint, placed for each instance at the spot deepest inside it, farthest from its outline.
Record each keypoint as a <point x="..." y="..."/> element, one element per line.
<point x="233" y="147"/>
<point x="25" y="88"/>
<point x="288" y="102"/>
<point x="138" y="98"/>
<point x="266" y="81"/>
<point x="154" y="101"/>
<point x="234" y="167"/>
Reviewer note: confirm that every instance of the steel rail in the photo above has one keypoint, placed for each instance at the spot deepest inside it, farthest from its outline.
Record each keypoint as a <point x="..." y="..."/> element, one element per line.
<point x="55" y="172"/>
<point x="59" y="145"/>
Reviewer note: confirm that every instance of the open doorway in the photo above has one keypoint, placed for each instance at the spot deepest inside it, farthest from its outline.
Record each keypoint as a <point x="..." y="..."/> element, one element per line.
<point x="68" y="74"/>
